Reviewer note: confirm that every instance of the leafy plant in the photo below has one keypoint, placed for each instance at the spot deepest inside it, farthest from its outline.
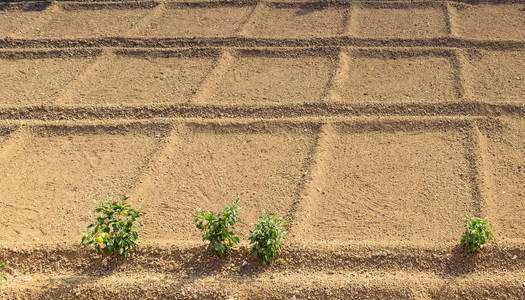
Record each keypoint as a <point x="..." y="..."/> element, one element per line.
<point x="267" y="236"/>
<point x="3" y="277"/>
<point x="115" y="229"/>
<point x="477" y="233"/>
<point x="218" y="229"/>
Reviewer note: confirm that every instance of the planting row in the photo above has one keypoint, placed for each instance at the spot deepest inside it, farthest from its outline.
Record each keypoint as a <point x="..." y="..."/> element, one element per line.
<point x="260" y="77"/>
<point x="374" y="20"/>
<point x="405" y="180"/>
<point x="116" y="228"/>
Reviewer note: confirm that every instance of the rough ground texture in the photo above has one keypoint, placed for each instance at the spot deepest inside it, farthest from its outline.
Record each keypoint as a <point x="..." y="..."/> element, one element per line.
<point x="373" y="127"/>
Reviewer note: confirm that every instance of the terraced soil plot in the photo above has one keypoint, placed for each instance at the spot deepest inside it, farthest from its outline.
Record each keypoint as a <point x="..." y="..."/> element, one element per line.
<point x="505" y="163"/>
<point x="398" y="186"/>
<point x="372" y="127"/>
<point x="207" y="165"/>
<point x="50" y="176"/>
<point x="416" y="77"/>
<point x="27" y="79"/>
<point x="491" y="21"/>
<point x="268" y="77"/>
<point x="142" y="78"/>
<point x="84" y="20"/>
<point x="16" y="16"/>
<point x="197" y="21"/>
<point x="296" y="22"/>
<point x="382" y="20"/>
<point x="496" y="76"/>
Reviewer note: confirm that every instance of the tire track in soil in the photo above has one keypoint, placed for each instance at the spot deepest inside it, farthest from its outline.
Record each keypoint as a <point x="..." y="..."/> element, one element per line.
<point x="220" y="67"/>
<point x="339" y="76"/>
<point x="485" y="182"/>
<point x="300" y="211"/>
<point x="72" y="89"/>
<point x="458" y="60"/>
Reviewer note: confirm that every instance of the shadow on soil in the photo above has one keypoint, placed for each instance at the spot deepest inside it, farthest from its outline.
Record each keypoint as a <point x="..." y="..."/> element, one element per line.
<point x="179" y="268"/>
<point x="195" y="261"/>
<point x="24" y="5"/>
<point x="459" y="265"/>
<point x="308" y="9"/>
<point x="461" y="262"/>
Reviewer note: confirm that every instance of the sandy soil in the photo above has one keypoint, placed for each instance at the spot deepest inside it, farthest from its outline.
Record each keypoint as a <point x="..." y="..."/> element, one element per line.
<point x="143" y="79"/>
<point x="496" y="76"/>
<point x="505" y="178"/>
<point x="197" y="21"/>
<point x="37" y="80"/>
<point x="373" y="127"/>
<point x="396" y="77"/>
<point x="82" y="21"/>
<point x="71" y="165"/>
<point x="376" y="20"/>
<point x="262" y="77"/>
<point x="491" y="21"/>
<point x="386" y="180"/>
<point x="207" y="165"/>
<point x="308" y="21"/>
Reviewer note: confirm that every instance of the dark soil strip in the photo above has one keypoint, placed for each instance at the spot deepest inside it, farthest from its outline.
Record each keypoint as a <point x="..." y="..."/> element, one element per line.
<point x="274" y="111"/>
<point x="236" y="42"/>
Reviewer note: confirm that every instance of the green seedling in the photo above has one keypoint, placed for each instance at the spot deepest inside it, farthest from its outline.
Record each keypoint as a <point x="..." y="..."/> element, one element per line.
<point x="218" y="229"/>
<point x="3" y="277"/>
<point x="477" y="233"/>
<point x="115" y="230"/>
<point x="267" y="237"/>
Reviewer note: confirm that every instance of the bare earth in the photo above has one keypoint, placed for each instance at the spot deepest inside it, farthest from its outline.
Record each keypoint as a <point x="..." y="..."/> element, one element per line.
<point x="373" y="127"/>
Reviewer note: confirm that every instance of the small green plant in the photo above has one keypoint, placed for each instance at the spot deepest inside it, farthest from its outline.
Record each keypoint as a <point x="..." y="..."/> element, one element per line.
<point x="115" y="229"/>
<point x="3" y="277"/>
<point x="267" y="237"/>
<point x="477" y="233"/>
<point x="218" y="229"/>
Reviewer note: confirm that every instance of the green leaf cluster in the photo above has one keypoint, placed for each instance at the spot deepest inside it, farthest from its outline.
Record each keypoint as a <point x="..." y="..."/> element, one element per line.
<point x="3" y="277"/>
<point x="267" y="237"/>
<point x="218" y="229"/>
<point x="115" y="230"/>
<point x="477" y="233"/>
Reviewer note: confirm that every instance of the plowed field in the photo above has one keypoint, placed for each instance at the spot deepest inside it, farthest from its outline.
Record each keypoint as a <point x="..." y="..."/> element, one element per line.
<point x="372" y="126"/>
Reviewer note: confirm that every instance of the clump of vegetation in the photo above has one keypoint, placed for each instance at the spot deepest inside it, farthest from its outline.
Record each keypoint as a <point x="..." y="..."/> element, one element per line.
<point x="267" y="237"/>
<point x="3" y="277"/>
<point x="115" y="230"/>
<point x="218" y="229"/>
<point x="477" y="233"/>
